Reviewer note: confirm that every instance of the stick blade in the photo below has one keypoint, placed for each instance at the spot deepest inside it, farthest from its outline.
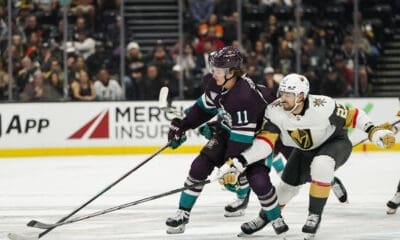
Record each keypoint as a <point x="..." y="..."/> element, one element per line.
<point x="37" y="224"/>
<point x="14" y="236"/>
<point x="163" y="97"/>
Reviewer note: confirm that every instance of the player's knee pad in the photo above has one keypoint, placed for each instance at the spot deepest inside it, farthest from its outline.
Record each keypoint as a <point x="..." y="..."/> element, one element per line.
<point x="286" y="192"/>
<point x="322" y="169"/>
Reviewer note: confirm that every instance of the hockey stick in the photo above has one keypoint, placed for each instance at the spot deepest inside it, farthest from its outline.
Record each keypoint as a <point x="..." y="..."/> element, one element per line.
<point x="126" y="205"/>
<point x="33" y="223"/>
<point x="165" y="106"/>
<point x="365" y="139"/>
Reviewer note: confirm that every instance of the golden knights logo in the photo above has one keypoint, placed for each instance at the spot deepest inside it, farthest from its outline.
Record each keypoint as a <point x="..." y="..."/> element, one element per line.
<point x="302" y="137"/>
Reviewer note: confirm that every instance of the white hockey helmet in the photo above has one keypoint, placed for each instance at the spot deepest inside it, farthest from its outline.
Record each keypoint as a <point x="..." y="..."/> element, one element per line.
<point x="294" y="83"/>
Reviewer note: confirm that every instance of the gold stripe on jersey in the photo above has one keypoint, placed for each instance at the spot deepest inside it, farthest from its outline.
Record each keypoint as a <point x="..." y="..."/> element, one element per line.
<point x="351" y="117"/>
<point x="272" y="137"/>
<point x="319" y="190"/>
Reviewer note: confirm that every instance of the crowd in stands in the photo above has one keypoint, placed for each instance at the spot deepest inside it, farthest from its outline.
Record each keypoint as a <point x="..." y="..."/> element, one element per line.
<point x="268" y="43"/>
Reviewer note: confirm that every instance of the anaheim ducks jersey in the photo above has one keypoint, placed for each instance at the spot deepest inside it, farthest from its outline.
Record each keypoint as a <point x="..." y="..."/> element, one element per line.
<point x="320" y="120"/>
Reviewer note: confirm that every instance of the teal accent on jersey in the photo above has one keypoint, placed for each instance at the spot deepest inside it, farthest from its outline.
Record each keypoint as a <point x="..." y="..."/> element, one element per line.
<point x="187" y="201"/>
<point x="213" y="111"/>
<point x="240" y="138"/>
<point x="273" y="213"/>
<point x="242" y="192"/>
<point x="278" y="165"/>
<point x="231" y="187"/>
<point x="268" y="161"/>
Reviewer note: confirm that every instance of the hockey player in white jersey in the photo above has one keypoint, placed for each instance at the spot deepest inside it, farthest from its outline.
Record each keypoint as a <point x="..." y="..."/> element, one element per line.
<point x="394" y="203"/>
<point x="316" y="127"/>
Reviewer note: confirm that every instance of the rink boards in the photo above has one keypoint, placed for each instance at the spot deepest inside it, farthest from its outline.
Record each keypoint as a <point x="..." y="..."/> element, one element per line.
<point x="101" y="128"/>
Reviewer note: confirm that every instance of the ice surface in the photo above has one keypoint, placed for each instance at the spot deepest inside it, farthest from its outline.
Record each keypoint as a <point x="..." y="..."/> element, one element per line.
<point x="47" y="189"/>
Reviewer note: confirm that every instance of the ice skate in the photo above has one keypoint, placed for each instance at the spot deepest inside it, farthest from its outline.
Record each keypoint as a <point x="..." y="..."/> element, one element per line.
<point x="311" y="226"/>
<point x="339" y="190"/>
<point x="280" y="227"/>
<point x="238" y="207"/>
<point x="393" y="204"/>
<point x="254" y="225"/>
<point x="177" y="223"/>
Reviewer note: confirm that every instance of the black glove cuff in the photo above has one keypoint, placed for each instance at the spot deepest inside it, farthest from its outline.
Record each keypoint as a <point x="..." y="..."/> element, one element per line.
<point x="242" y="160"/>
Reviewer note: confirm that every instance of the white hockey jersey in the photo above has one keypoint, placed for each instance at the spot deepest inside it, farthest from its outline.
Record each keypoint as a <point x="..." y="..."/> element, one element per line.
<point x="307" y="131"/>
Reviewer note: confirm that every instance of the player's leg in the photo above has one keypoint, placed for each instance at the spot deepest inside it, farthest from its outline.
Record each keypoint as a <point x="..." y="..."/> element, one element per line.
<point x="212" y="155"/>
<point x="328" y="157"/>
<point x="242" y="191"/>
<point x="394" y="203"/>
<point x="260" y="183"/>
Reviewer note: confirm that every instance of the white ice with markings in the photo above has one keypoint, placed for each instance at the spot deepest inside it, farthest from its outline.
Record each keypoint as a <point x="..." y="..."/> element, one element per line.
<point x="46" y="189"/>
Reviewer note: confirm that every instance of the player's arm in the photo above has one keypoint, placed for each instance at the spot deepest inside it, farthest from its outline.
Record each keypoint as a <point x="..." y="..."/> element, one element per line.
<point x="263" y="144"/>
<point x="349" y="117"/>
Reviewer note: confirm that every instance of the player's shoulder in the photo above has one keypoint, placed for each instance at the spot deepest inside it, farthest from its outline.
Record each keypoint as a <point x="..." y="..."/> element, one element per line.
<point x="321" y="103"/>
<point x="274" y="109"/>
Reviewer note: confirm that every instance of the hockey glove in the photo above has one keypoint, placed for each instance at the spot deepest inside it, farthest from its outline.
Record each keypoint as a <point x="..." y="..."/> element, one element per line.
<point x="176" y="134"/>
<point x="381" y="137"/>
<point x="230" y="171"/>
<point x="209" y="129"/>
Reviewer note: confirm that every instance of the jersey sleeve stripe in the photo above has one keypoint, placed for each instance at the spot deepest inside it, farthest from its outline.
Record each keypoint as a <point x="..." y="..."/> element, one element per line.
<point x="269" y="142"/>
<point x="241" y="132"/>
<point x="355" y="118"/>
<point x="241" y="138"/>
<point x="205" y="106"/>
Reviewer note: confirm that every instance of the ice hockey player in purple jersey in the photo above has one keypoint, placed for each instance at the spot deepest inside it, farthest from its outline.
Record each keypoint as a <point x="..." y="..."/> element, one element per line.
<point x="240" y="106"/>
<point x="316" y="127"/>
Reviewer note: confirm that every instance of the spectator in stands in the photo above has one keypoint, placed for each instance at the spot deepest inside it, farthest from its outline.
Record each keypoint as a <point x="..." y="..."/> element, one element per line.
<point x="200" y="10"/>
<point x="39" y="90"/>
<point x="56" y="69"/>
<point x="151" y="84"/>
<point x="32" y="26"/>
<point x="345" y="73"/>
<point x="333" y="85"/>
<point x="84" y="8"/>
<point x="260" y="57"/>
<point x="83" y="88"/>
<point x="230" y="28"/>
<point x="99" y="59"/>
<point x="85" y="45"/>
<point x="25" y="74"/>
<point x="133" y="85"/>
<point x="19" y="47"/>
<point x="77" y="64"/>
<point x="212" y="24"/>
<point x="188" y="62"/>
<point x="56" y="83"/>
<point x="107" y="89"/>
<point x="224" y="9"/>
<point x="202" y="58"/>
<point x="134" y="58"/>
<point x="285" y="58"/>
<point x="80" y="26"/>
<point x="269" y="81"/>
<point x="3" y="82"/>
<point x="161" y="60"/>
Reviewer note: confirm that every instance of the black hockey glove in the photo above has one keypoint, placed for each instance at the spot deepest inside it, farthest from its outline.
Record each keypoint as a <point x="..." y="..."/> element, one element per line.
<point x="176" y="134"/>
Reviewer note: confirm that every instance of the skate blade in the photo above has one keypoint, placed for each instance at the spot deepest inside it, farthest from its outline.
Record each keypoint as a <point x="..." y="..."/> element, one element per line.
<point x="309" y="236"/>
<point x="391" y="211"/>
<point x="282" y="236"/>
<point x="176" y="230"/>
<point x="244" y="235"/>
<point x="235" y="214"/>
